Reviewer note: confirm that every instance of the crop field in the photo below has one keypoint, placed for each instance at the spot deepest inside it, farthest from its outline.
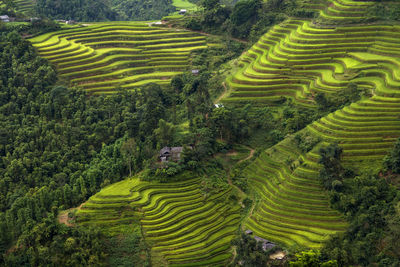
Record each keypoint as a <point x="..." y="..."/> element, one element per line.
<point x="182" y="226"/>
<point x="104" y="57"/>
<point x="184" y="4"/>
<point x="298" y="59"/>
<point x="294" y="210"/>
<point x="25" y="6"/>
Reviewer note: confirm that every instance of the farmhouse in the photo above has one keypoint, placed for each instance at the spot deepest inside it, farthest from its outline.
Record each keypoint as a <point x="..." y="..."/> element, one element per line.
<point x="170" y="153"/>
<point x="5" y="18"/>
<point x="266" y="245"/>
<point x="182" y="12"/>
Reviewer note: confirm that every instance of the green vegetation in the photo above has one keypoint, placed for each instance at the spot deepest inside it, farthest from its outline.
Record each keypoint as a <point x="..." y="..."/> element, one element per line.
<point x="103" y="58"/>
<point x="368" y="202"/>
<point x="298" y="139"/>
<point x="184" y="4"/>
<point x="25" y="6"/>
<point x="182" y="225"/>
<point x="102" y="10"/>
<point x="322" y="70"/>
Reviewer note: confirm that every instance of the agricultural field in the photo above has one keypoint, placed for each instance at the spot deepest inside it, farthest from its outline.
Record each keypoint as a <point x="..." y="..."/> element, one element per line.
<point x="25" y="6"/>
<point x="182" y="226"/>
<point x="184" y="4"/>
<point x="104" y="57"/>
<point x="298" y="59"/>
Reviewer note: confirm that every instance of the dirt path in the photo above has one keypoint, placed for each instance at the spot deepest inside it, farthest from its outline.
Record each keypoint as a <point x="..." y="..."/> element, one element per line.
<point x="222" y="95"/>
<point x="63" y="216"/>
<point x="249" y="156"/>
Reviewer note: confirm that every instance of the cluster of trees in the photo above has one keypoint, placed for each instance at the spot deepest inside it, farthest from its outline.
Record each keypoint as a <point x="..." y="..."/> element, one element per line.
<point x="384" y="10"/>
<point x="371" y="206"/>
<point x="329" y="103"/>
<point x="102" y="10"/>
<point x="250" y="252"/>
<point x="58" y="146"/>
<point x="7" y="7"/>
<point x="247" y="19"/>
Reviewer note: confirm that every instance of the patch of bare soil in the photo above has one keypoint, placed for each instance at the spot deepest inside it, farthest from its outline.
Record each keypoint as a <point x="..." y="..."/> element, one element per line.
<point x="249" y="156"/>
<point x="63" y="216"/>
<point x="278" y="255"/>
<point x="232" y="153"/>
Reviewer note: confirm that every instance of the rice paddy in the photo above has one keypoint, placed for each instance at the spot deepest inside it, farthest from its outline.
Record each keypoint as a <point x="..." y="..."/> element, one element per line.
<point x="25" y="6"/>
<point x="182" y="226"/>
<point x="298" y="59"/>
<point x="105" y="57"/>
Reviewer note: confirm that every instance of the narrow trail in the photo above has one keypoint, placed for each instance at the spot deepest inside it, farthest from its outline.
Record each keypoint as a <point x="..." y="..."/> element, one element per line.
<point x="223" y="94"/>
<point x="63" y="216"/>
<point x="249" y="156"/>
<point x="241" y="193"/>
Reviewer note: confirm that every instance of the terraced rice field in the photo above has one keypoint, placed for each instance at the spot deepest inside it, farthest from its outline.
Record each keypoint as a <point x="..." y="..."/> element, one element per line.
<point x="25" y="6"/>
<point x="101" y="58"/>
<point x="294" y="210"/>
<point x="298" y="59"/>
<point x="184" y="4"/>
<point x="181" y="226"/>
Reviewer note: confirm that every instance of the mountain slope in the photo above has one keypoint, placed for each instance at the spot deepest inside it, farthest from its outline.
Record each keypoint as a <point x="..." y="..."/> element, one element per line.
<point x="104" y="57"/>
<point x="182" y="227"/>
<point x="298" y="59"/>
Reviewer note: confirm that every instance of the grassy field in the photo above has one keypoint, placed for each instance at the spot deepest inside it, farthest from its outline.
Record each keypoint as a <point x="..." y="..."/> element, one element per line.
<point x="182" y="226"/>
<point x="184" y="4"/>
<point x="298" y="59"/>
<point x="104" y="57"/>
<point x="25" y="6"/>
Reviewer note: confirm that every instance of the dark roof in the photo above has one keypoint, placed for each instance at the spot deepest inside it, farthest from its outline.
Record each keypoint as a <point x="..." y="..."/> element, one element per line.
<point x="165" y="150"/>
<point x="266" y="244"/>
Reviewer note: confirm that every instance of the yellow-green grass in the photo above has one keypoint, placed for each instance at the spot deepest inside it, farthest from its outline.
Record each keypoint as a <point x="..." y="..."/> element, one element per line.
<point x="184" y="4"/>
<point x="104" y="57"/>
<point x="294" y="210"/>
<point x="344" y="12"/>
<point x="297" y="59"/>
<point x="25" y="6"/>
<point x="179" y="223"/>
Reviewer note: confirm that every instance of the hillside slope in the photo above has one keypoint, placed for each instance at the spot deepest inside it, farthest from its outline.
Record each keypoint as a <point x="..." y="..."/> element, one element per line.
<point x="103" y="57"/>
<point x="298" y="59"/>
<point x="182" y="227"/>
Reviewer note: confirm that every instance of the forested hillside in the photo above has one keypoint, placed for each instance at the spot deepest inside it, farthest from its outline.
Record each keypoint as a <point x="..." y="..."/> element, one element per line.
<point x="102" y="10"/>
<point x="243" y="133"/>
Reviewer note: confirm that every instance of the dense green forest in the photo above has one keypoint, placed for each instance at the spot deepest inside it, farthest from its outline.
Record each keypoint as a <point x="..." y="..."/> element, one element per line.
<point x="62" y="147"/>
<point x="89" y="10"/>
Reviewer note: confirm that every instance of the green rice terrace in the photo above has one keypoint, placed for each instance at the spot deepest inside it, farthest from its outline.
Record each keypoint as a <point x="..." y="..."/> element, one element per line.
<point x="102" y="58"/>
<point x="183" y="227"/>
<point x="25" y="6"/>
<point x="295" y="60"/>
<point x="298" y="59"/>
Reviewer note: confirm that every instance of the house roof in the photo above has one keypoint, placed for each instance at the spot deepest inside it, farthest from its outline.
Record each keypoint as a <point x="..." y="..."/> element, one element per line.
<point x="165" y="150"/>
<point x="4" y="17"/>
<point x="266" y="244"/>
